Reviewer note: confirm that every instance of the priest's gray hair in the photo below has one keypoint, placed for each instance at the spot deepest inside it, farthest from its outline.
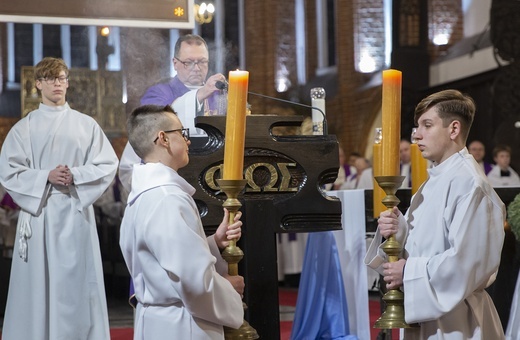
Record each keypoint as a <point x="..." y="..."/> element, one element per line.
<point x="190" y="39"/>
<point x="144" y="124"/>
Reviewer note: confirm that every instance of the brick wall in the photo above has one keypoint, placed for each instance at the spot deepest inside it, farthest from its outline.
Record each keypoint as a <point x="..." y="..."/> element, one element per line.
<point x="352" y="112"/>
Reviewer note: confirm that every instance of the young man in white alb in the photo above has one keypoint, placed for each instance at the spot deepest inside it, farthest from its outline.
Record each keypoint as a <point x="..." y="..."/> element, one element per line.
<point x="452" y="233"/>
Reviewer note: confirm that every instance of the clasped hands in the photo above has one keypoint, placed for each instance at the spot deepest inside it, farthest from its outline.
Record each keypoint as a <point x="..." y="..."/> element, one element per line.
<point x="388" y="225"/>
<point x="61" y="175"/>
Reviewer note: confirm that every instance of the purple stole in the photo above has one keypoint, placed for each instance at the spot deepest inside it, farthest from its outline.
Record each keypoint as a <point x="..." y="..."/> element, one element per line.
<point x="346" y="167"/>
<point x="8" y="202"/>
<point x="487" y="167"/>
<point x="174" y="89"/>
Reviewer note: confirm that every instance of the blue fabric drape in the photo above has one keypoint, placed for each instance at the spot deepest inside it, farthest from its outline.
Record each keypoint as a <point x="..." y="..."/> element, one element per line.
<point x="321" y="307"/>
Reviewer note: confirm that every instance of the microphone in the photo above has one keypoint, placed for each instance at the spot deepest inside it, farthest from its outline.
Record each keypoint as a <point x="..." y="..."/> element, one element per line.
<point x="325" y="130"/>
<point x="223" y="86"/>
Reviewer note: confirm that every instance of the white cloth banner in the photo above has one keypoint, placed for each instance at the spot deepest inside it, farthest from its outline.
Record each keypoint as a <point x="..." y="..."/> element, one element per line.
<point x="352" y="249"/>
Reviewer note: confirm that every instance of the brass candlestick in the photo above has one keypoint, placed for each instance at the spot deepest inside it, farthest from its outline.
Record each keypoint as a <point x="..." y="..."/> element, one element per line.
<point x="233" y="254"/>
<point x="393" y="316"/>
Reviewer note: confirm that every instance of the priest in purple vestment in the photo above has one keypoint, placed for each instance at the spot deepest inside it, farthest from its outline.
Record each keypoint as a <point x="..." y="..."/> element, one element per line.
<point x="191" y="93"/>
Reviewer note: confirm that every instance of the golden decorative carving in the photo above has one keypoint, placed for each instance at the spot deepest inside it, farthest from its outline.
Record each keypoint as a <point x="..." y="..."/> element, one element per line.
<point x="5" y="125"/>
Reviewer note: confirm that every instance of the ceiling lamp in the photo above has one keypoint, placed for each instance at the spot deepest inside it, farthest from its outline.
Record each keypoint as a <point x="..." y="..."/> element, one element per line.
<point x="204" y="12"/>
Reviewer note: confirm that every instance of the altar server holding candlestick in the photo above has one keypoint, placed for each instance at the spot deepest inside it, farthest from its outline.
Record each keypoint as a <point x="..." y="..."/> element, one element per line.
<point x="452" y="233"/>
<point x="180" y="285"/>
<point x="389" y="181"/>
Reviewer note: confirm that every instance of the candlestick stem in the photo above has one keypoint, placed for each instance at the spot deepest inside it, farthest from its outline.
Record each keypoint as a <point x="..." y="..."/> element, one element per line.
<point x="393" y="316"/>
<point x="232" y="254"/>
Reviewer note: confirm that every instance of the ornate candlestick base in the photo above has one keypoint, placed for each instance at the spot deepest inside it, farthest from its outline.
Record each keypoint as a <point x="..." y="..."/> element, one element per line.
<point x="393" y="316"/>
<point x="233" y="254"/>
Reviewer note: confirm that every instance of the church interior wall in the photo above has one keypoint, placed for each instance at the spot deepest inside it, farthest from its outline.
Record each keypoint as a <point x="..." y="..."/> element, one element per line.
<point x="353" y="105"/>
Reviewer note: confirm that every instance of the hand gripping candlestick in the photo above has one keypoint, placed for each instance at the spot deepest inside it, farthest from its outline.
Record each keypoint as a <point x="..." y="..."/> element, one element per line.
<point x="232" y="181"/>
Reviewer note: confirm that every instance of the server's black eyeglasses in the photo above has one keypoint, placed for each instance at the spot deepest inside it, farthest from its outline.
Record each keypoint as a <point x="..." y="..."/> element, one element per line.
<point x="185" y="132"/>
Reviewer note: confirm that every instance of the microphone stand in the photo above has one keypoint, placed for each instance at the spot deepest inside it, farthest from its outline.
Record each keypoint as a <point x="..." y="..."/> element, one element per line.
<point x="325" y="129"/>
<point x="222" y="85"/>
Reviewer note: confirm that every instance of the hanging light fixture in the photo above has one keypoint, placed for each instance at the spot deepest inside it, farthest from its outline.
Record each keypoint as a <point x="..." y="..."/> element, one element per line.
<point x="204" y="12"/>
<point x="104" y="31"/>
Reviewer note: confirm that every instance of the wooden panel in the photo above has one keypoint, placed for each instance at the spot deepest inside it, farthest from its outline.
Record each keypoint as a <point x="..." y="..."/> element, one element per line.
<point x="136" y="13"/>
<point x="5" y="125"/>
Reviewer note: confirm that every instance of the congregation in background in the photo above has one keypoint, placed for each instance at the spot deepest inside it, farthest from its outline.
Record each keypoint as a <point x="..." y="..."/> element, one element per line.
<point x="356" y="172"/>
<point x="500" y="174"/>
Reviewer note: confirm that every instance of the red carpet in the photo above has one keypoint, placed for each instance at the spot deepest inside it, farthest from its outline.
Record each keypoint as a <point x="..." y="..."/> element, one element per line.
<point x="285" y="330"/>
<point x="287" y="297"/>
<point x="121" y="333"/>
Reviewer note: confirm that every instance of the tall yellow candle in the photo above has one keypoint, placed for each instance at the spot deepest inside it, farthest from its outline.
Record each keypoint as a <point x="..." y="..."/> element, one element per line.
<point x="378" y="193"/>
<point x="391" y="117"/>
<point x="419" y="166"/>
<point x="235" y="125"/>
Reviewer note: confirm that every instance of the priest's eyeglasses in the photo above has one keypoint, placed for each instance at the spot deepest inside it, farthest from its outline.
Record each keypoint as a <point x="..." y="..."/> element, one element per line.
<point x="185" y="132"/>
<point x="191" y="64"/>
<point x="52" y="80"/>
